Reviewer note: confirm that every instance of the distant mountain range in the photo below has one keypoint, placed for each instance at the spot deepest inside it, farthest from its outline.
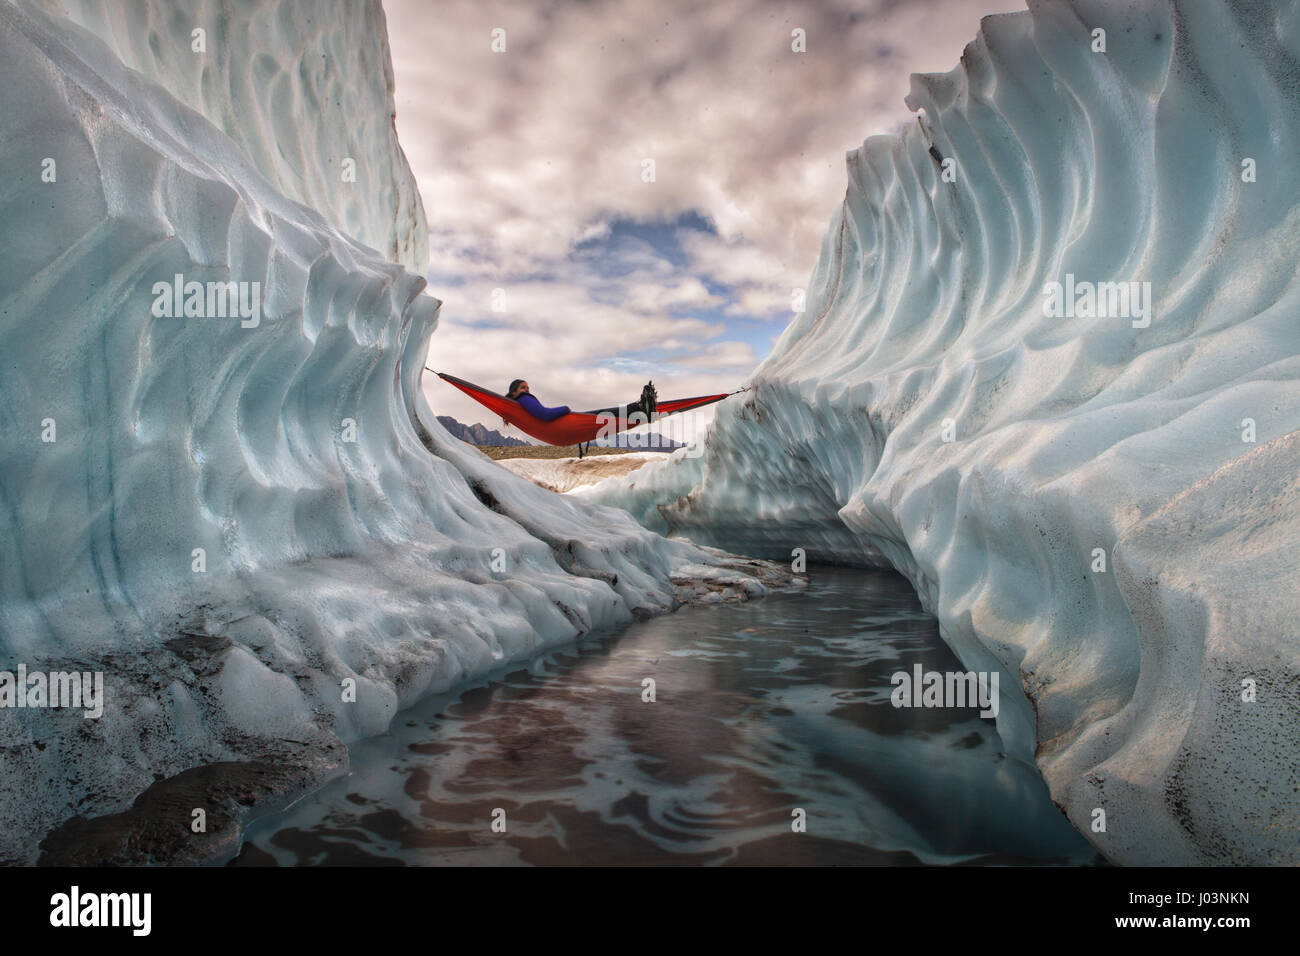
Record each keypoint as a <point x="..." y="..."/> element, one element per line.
<point x="477" y="434"/>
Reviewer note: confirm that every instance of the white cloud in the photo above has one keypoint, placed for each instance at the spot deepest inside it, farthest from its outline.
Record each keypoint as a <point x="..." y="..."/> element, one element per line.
<point x="522" y="156"/>
<point x="733" y="356"/>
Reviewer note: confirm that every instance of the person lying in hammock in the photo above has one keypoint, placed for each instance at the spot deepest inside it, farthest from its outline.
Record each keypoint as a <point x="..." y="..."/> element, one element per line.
<point x="646" y="405"/>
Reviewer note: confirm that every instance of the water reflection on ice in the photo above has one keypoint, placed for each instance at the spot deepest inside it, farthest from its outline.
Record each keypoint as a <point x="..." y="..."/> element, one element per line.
<point x="761" y="709"/>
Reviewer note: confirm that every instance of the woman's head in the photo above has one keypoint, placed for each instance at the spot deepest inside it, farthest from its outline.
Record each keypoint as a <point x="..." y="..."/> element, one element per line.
<point x="516" y="387"/>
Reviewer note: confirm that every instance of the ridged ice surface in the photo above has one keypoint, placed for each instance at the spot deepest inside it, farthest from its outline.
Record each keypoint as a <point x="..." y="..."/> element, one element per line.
<point x="232" y="518"/>
<point x="299" y="91"/>
<point x="928" y="411"/>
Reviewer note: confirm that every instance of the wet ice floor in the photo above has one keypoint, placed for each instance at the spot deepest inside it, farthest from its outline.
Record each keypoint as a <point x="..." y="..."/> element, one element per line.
<point x="761" y="710"/>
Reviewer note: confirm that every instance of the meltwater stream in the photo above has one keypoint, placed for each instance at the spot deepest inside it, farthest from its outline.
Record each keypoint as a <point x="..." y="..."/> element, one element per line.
<point x="761" y="710"/>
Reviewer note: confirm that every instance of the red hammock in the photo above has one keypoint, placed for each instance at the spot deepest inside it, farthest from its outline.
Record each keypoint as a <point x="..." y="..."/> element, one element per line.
<point x="575" y="427"/>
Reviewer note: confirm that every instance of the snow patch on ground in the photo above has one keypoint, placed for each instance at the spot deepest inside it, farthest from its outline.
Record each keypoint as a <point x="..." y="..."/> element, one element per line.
<point x="568" y="474"/>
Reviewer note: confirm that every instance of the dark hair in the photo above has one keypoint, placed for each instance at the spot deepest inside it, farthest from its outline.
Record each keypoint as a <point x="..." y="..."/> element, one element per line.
<point x="510" y="392"/>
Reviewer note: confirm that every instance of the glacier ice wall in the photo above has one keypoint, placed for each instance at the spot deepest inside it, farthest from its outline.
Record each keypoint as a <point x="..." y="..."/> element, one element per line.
<point x="1103" y="505"/>
<point x="250" y="524"/>
<point x="301" y="92"/>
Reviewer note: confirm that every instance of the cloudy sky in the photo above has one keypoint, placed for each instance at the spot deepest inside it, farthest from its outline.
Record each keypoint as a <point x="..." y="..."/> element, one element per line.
<point x="557" y="261"/>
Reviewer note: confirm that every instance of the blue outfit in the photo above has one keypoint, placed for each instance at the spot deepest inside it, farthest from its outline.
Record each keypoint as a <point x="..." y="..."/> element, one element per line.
<point x="535" y="408"/>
